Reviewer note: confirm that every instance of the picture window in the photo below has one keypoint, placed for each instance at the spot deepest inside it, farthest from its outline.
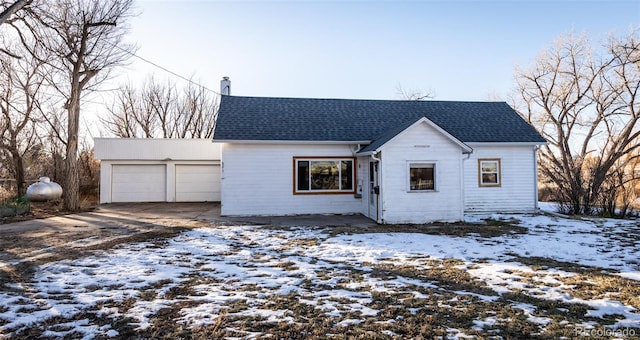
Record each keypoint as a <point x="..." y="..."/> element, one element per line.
<point x="324" y="175"/>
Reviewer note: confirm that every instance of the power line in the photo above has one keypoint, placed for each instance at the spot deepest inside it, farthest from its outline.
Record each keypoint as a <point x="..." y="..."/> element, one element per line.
<point x="166" y="69"/>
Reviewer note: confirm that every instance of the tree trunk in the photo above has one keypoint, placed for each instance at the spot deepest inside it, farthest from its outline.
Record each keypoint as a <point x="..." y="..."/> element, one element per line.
<point x="17" y="163"/>
<point x="72" y="181"/>
<point x="18" y="173"/>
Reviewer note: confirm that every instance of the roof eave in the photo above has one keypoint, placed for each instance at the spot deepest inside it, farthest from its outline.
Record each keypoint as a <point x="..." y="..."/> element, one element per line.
<point x="506" y="143"/>
<point x="269" y="141"/>
<point x="466" y="149"/>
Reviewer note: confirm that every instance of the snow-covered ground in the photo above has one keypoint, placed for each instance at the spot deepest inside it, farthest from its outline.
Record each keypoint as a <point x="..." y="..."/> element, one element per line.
<point x="339" y="277"/>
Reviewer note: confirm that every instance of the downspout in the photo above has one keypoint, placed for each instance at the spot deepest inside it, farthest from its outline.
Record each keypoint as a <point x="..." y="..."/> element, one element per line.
<point x="468" y="155"/>
<point x="359" y="182"/>
<point x="462" y="184"/>
<point x="374" y="157"/>
<point x="354" y="151"/>
<point x="535" y="175"/>
<point x="380" y="202"/>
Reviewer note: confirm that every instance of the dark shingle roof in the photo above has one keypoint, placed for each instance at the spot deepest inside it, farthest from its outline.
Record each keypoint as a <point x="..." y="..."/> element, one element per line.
<point x="305" y="119"/>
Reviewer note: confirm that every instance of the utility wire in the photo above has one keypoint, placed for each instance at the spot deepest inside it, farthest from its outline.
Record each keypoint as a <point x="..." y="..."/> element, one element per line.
<point x="166" y="69"/>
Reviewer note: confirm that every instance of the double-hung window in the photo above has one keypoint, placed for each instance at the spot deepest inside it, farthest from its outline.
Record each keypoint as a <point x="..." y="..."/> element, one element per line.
<point x="324" y="175"/>
<point x="489" y="173"/>
<point x="422" y="176"/>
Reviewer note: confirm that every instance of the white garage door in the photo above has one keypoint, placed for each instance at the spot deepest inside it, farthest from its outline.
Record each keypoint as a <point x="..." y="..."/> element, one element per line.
<point x="138" y="183"/>
<point x="197" y="183"/>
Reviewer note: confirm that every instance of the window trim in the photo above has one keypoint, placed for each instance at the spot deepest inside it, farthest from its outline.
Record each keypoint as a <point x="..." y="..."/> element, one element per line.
<point x="498" y="175"/>
<point x="354" y="176"/>
<point x="434" y="164"/>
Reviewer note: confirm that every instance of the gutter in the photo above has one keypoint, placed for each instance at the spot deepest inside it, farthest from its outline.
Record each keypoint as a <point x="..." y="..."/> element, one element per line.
<point x="506" y="143"/>
<point x="268" y="141"/>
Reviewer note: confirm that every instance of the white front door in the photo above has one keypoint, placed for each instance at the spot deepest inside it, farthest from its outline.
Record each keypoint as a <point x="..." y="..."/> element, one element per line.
<point x="374" y="191"/>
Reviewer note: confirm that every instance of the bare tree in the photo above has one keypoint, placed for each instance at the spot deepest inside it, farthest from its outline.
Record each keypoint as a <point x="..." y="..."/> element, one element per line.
<point x="11" y="9"/>
<point x="159" y="110"/>
<point x="80" y="41"/>
<point x="618" y="191"/>
<point x="413" y="94"/>
<point x="20" y="100"/>
<point x="196" y="113"/>
<point x="122" y="121"/>
<point x="586" y="105"/>
<point x="7" y="16"/>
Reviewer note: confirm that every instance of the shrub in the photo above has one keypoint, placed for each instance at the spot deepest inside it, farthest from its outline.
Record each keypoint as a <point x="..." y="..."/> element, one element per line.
<point x="15" y="206"/>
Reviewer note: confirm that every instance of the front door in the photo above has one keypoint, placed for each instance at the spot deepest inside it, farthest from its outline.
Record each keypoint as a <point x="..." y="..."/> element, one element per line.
<point x="374" y="190"/>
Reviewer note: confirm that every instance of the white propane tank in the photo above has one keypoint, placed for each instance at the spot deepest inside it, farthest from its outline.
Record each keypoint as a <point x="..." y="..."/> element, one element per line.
<point x="44" y="190"/>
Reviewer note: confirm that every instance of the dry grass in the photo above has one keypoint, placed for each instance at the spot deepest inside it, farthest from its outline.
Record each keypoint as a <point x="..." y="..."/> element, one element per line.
<point x="435" y="313"/>
<point x="439" y="297"/>
<point x="493" y="228"/>
<point x="590" y="286"/>
<point x="214" y="330"/>
<point x="539" y="263"/>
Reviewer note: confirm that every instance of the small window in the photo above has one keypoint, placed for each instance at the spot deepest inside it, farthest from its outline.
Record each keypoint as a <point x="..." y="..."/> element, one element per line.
<point x="489" y="172"/>
<point x="422" y="177"/>
<point x="323" y="175"/>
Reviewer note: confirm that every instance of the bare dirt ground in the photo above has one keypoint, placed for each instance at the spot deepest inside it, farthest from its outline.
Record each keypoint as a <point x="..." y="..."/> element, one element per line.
<point x="48" y="234"/>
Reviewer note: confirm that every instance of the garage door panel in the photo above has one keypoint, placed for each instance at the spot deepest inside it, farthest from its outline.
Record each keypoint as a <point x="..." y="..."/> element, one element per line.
<point x="197" y="183"/>
<point x="138" y="183"/>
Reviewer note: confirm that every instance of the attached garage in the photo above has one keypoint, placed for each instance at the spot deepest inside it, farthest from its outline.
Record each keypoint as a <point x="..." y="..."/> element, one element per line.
<point x="138" y="183"/>
<point x="158" y="170"/>
<point x="197" y="183"/>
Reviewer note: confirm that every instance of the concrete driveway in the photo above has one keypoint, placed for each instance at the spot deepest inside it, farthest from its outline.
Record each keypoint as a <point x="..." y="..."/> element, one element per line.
<point x="27" y="243"/>
<point x="210" y="213"/>
<point x="145" y="215"/>
<point x="117" y="216"/>
<point x="42" y="240"/>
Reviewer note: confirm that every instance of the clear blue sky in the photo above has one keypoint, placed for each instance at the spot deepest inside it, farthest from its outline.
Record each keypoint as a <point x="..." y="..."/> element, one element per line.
<point x="461" y="50"/>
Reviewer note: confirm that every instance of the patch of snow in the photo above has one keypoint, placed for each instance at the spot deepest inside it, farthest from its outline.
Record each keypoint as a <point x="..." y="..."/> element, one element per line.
<point x="348" y="322"/>
<point x="630" y="275"/>
<point x="484" y="323"/>
<point x="603" y="307"/>
<point x="529" y="311"/>
<point x="257" y="266"/>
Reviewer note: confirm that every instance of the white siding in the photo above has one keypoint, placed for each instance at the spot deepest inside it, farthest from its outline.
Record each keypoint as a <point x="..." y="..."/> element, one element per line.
<point x="156" y="149"/>
<point x="257" y="179"/>
<point x="421" y="143"/>
<point x="517" y="192"/>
